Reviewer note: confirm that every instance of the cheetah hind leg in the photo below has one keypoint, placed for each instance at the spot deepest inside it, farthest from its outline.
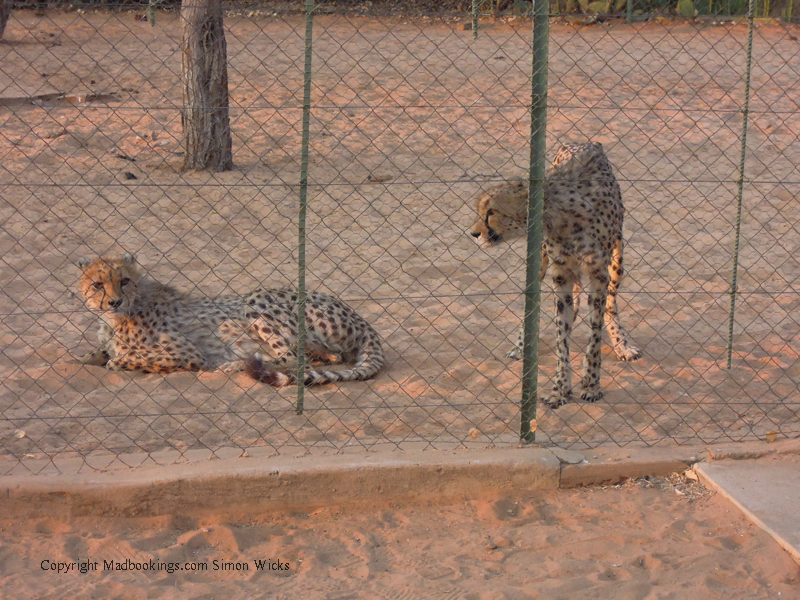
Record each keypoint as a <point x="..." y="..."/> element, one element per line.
<point x="247" y="342"/>
<point x="619" y="342"/>
<point x="236" y="337"/>
<point x="592" y="358"/>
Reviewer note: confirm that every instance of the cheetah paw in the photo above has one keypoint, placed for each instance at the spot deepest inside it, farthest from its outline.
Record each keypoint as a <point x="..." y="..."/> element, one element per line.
<point x="628" y="353"/>
<point x="98" y="358"/>
<point x="326" y="358"/>
<point x="231" y="367"/>
<point x="514" y="354"/>
<point x="556" y="399"/>
<point x="592" y="395"/>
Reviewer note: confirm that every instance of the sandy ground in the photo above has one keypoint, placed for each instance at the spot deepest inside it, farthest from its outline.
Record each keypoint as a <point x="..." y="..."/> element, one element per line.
<point x="663" y="540"/>
<point x="410" y="121"/>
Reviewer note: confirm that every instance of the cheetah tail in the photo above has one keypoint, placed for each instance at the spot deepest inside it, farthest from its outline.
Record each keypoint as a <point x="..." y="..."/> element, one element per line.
<point x="261" y="371"/>
<point x="370" y="361"/>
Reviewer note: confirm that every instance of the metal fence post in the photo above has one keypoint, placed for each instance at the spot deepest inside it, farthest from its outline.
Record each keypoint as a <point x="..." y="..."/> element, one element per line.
<point x="533" y="288"/>
<point x="475" y="4"/>
<point x="301" y="217"/>
<point x="745" y="114"/>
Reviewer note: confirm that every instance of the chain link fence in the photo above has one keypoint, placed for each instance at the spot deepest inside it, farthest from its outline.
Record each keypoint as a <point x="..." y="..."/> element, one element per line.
<point x="411" y="113"/>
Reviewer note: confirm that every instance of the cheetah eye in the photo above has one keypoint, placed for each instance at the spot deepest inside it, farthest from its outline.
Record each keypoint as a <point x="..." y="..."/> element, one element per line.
<point x="490" y="212"/>
<point x="125" y="281"/>
<point x="98" y="285"/>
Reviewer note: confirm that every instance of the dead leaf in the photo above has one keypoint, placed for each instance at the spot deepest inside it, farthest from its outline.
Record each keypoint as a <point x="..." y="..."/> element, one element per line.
<point x="379" y="178"/>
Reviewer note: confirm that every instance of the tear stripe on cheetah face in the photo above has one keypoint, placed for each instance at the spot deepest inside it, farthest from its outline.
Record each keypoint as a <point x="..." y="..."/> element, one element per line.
<point x="502" y="211"/>
<point x="154" y="328"/>
<point x="582" y="222"/>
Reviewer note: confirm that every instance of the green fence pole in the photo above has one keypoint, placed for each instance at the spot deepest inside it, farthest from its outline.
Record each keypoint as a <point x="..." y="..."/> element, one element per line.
<point x="629" y="12"/>
<point x="475" y="4"/>
<point x="301" y="217"/>
<point x="745" y="114"/>
<point x="533" y="288"/>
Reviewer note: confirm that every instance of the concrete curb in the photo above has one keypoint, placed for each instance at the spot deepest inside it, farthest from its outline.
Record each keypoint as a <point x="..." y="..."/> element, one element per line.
<point x="280" y="483"/>
<point x="239" y="485"/>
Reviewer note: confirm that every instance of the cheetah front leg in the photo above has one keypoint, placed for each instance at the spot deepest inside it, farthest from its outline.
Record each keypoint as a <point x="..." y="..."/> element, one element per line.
<point x="516" y="352"/>
<point x="563" y="282"/>
<point x="165" y="354"/>
<point x="101" y="356"/>
<point x="598" y="289"/>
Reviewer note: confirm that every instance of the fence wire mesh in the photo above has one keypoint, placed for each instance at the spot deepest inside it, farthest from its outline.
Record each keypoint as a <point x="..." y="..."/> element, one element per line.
<point x="411" y="114"/>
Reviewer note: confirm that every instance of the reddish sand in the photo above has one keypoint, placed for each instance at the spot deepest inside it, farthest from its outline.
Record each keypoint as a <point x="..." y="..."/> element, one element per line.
<point x="671" y="541"/>
<point x="411" y="119"/>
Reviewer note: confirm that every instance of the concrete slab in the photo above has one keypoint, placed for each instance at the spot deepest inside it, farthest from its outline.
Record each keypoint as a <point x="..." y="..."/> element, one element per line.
<point x="766" y="489"/>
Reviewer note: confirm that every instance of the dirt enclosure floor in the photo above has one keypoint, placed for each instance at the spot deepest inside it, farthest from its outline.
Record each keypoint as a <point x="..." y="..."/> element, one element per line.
<point x="661" y="540"/>
<point x="410" y="119"/>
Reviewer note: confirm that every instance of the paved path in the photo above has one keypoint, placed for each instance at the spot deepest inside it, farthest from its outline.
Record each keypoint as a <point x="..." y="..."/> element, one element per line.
<point x="767" y="490"/>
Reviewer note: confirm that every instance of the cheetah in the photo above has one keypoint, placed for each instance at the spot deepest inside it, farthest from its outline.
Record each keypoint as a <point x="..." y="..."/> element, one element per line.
<point x="154" y="328"/>
<point x="582" y="223"/>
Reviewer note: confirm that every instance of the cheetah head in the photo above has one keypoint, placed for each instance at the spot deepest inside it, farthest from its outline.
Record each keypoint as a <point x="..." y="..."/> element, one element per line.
<point x="502" y="211"/>
<point x="108" y="284"/>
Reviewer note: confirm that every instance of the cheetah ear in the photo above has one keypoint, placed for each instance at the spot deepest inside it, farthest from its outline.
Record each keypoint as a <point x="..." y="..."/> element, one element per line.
<point x="83" y="263"/>
<point x="128" y="259"/>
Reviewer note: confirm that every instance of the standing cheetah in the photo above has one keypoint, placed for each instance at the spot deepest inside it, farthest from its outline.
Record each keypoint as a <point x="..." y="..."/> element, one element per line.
<point x="582" y="223"/>
<point x="151" y="327"/>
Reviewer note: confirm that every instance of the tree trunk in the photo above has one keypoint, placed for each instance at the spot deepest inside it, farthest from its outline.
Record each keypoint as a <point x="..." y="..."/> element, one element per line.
<point x="206" y="124"/>
<point x="5" y="13"/>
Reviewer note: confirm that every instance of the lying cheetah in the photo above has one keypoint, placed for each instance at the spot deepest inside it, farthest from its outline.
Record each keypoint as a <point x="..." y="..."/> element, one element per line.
<point x="151" y="327"/>
<point x="582" y="222"/>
